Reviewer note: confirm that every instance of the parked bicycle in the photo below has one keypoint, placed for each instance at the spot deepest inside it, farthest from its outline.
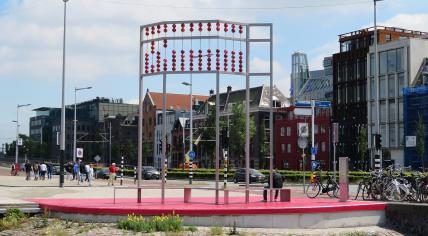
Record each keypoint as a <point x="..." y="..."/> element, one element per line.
<point x="316" y="186"/>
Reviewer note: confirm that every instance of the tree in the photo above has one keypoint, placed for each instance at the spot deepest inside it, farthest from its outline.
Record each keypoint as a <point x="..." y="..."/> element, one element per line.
<point x="264" y="145"/>
<point x="208" y="133"/>
<point x="237" y="131"/>
<point x="128" y="150"/>
<point x="420" y="139"/>
<point x="147" y="152"/>
<point x="362" y="146"/>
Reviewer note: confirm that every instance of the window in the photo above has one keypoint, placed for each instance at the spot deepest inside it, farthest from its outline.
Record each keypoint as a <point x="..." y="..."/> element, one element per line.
<point x="373" y="112"/>
<point x="382" y="111"/>
<point x="372" y="89"/>
<point x="289" y="148"/>
<point x="392" y="140"/>
<point x="282" y="131"/>
<point x="372" y="62"/>
<point x="323" y="146"/>
<point x="285" y="164"/>
<point x="400" y="110"/>
<point x="282" y="147"/>
<point x="288" y="131"/>
<point x="400" y="78"/>
<point x="316" y="129"/>
<point x="383" y="133"/>
<point x="400" y="59"/>
<point x="401" y="135"/>
<point x="387" y="37"/>
<point x="382" y="87"/>
<point x="383" y="63"/>
<point x="392" y="110"/>
<point x="392" y="61"/>
<point x="322" y="127"/>
<point x="391" y="86"/>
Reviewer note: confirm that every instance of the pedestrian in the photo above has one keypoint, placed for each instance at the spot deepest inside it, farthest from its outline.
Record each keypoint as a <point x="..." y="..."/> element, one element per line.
<point x="91" y="174"/>
<point x="43" y="170"/>
<point x="36" y="170"/>
<point x="87" y="167"/>
<point x="50" y="167"/>
<point x="13" y="169"/>
<point x="76" y="172"/>
<point x="81" y="170"/>
<point x="27" y="167"/>
<point x="277" y="184"/>
<point x="112" y="174"/>
<point x="69" y="170"/>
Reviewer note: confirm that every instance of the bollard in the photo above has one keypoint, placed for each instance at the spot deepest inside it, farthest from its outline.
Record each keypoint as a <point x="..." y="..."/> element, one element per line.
<point x="121" y="171"/>
<point x="343" y="179"/>
<point x="166" y="168"/>
<point x="190" y="171"/>
<point x="225" y="168"/>
<point x="135" y="174"/>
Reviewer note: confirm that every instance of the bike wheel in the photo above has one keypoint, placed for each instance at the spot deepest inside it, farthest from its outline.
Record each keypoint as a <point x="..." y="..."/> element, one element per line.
<point x="313" y="190"/>
<point x="334" y="189"/>
<point x="367" y="192"/>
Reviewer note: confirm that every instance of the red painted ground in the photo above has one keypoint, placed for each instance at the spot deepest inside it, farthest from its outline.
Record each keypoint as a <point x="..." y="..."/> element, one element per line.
<point x="202" y="206"/>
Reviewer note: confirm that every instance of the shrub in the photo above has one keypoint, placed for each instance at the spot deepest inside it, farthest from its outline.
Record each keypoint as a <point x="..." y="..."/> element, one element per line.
<point x="12" y="219"/>
<point x="216" y="231"/>
<point x="168" y="223"/>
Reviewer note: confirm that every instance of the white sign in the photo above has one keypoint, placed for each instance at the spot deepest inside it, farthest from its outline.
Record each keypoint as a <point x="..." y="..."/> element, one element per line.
<point x="302" y="111"/>
<point x="410" y="141"/>
<point x="303" y="129"/>
<point x="97" y="158"/>
<point x="20" y="142"/>
<point x="79" y="152"/>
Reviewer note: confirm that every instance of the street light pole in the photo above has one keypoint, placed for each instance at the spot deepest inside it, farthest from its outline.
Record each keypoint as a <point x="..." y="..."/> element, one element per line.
<point x="62" y="137"/>
<point x="17" y="131"/>
<point x="75" y="122"/>
<point x="376" y="73"/>
<point x="191" y="128"/>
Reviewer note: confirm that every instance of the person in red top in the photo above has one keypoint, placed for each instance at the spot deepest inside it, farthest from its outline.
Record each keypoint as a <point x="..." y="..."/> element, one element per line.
<point x="112" y="173"/>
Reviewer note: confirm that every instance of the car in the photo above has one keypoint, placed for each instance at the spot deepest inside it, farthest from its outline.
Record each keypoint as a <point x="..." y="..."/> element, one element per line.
<point x="149" y="172"/>
<point x="103" y="173"/>
<point x="255" y="176"/>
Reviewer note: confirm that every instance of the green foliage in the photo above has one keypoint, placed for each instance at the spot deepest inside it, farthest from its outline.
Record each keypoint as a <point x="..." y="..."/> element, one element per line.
<point x="216" y="231"/>
<point x="192" y="229"/>
<point x="168" y="223"/>
<point x="420" y="139"/>
<point x="263" y="140"/>
<point x="359" y="233"/>
<point x="237" y="130"/>
<point x="12" y="219"/>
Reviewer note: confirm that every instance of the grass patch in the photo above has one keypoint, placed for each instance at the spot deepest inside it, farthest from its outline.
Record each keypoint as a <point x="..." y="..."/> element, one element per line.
<point x="360" y="233"/>
<point x="12" y="219"/>
<point x="216" y="231"/>
<point x="168" y="223"/>
<point x="191" y="229"/>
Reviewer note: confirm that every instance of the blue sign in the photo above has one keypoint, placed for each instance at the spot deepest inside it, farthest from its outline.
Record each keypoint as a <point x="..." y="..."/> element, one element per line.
<point x="314" y="151"/>
<point x="302" y="104"/>
<point x="322" y="104"/>
<point x="325" y="104"/>
<point x="314" y="165"/>
<point x="192" y="155"/>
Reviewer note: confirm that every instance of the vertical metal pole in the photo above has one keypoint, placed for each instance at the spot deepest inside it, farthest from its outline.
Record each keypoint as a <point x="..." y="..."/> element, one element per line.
<point x="17" y="135"/>
<point x="313" y="129"/>
<point x="247" y="115"/>
<point x="62" y="137"/>
<point x="303" y="168"/>
<point x="184" y="145"/>
<point x="140" y="124"/>
<point x="121" y="171"/>
<point x="217" y="136"/>
<point x="376" y="74"/>
<point x="271" y="115"/>
<point x="191" y="132"/>
<point x="74" y="126"/>
<point x="163" y="137"/>
<point x="109" y="148"/>
<point x="334" y="160"/>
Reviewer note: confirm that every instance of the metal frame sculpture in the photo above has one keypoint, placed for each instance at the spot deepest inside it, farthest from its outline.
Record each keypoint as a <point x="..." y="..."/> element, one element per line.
<point x="160" y="45"/>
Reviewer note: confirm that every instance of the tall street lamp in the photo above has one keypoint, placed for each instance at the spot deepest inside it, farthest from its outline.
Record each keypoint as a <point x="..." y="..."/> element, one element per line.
<point x="376" y="74"/>
<point x="75" y="121"/>
<point x="17" y="130"/>
<point x="191" y="126"/>
<point x="62" y="137"/>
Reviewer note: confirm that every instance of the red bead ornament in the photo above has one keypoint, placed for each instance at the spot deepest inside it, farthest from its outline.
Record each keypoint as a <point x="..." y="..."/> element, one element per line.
<point x="147" y="31"/>
<point x="225" y="27"/>
<point x="233" y="61"/>
<point x="165" y="43"/>
<point x="191" y="60"/>
<point x="174" y="28"/>
<point x="182" y="60"/>
<point x="153" y="29"/>
<point x="199" y="59"/>
<point x="217" y="26"/>
<point x="191" y="27"/>
<point x="152" y="47"/>
<point x="217" y="59"/>
<point x="208" y="59"/>
<point x="200" y="27"/>
<point x="146" y="59"/>
<point x="240" y="29"/>
<point x="183" y="27"/>
<point x="158" y="27"/>
<point x="225" y="60"/>
<point x="209" y="26"/>
<point x="165" y="28"/>
<point x="240" y="61"/>
<point x="152" y="68"/>
<point x="165" y="65"/>
<point x="174" y="60"/>
<point x="233" y="28"/>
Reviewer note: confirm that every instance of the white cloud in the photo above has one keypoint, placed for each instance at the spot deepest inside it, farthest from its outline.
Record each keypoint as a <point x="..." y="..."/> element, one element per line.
<point x="316" y="56"/>
<point x="408" y="21"/>
<point x="280" y="75"/>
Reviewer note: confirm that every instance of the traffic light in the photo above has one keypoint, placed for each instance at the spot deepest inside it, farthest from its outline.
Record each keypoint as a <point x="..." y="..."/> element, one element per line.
<point x="224" y="138"/>
<point x="160" y="145"/>
<point x="378" y="141"/>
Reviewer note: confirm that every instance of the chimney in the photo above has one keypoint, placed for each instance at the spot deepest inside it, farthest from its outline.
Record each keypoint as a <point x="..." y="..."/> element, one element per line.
<point x="229" y="89"/>
<point x="211" y="92"/>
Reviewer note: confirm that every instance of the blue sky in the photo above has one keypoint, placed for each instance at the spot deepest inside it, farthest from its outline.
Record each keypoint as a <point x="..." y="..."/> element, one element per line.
<point x="102" y="43"/>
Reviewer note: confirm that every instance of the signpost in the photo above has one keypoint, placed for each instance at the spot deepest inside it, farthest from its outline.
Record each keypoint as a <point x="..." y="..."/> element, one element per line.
<point x="79" y="152"/>
<point x="410" y="141"/>
<point x="192" y="156"/>
<point x="302" y="142"/>
<point x="97" y="158"/>
<point x="335" y="141"/>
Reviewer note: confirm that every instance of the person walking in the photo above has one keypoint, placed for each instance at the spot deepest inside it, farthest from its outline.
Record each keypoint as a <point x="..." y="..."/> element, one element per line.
<point x="50" y="167"/>
<point x="36" y="170"/>
<point x="76" y="172"/>
<point x="27" y="170"/>
<point x="43" y="170"/>
<point x="87" y="167"/>
<point x="69" y="170"/>
<point x="91" y="174"/>
<point x="13" y="171"/>
<point x="81" y="170"/>
<point x="112" y="174"/>
<point x="277" y="184"/>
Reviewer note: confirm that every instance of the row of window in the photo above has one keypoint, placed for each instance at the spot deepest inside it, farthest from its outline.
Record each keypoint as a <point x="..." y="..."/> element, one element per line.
<point x="389" y="61"/>
<point x="286" y="148"/>
<point x="389" y="86"/>
<point x="286" y="131"/>
<point x="389" y="111"/>
<point x="395" y="134"/>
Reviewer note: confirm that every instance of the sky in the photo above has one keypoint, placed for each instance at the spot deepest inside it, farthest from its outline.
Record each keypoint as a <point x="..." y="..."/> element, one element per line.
<point x="102" y="44"/>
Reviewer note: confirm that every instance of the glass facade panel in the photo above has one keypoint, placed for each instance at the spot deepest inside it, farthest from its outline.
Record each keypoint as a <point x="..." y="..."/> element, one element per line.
<point x="400" y="110"/>
<point x="401" y="134"/>
<point x="383" y="133"/>
<point x="391" y="86"/>
<point x="372" y="89"/>
<point x="382" y="111"/>
<point x="373" y="112"/>
<point x="400" y="78"/>
<point x="392" y="110"/>
<point x="400" y="59"/>
<point x="382" y="87"/>
<point x="383" y="63"/>
<point x="372" y="62"/>
<point x="392" y="63"/>
<point x="392" y="139"/>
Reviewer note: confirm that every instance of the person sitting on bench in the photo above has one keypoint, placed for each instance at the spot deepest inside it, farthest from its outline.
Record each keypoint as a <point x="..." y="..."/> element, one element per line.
<point x="277" y="184"/>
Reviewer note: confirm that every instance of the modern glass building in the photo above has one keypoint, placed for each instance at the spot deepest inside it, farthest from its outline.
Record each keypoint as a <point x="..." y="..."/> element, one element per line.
<point x="319" y="86"/>
<point x="299" y="73"/>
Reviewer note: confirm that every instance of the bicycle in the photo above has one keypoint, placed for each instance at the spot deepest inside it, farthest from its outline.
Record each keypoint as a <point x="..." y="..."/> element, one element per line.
<point x="316" y="186"/>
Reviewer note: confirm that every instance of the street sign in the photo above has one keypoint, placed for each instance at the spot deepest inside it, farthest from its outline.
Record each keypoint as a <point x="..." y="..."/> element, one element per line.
<point x="302" y="111"/>
<point x="410" y="141"/>
<point x="314" y="151"/>
<point x="335" y="132"/>
<point x="324" y="104"/>
<point x="97" y="158"/>
<point x="20" y="142"/>
<point x="303" y="129"/>
<point x="302" y="142"/>
<point x="302" y="104"/>
<point x="79" y="152"/>
<point x="192" y="155"/>
<point x="314" y="165"/>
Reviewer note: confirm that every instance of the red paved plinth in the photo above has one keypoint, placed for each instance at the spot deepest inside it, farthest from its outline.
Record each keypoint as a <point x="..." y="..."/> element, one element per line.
<point x="202" y="206"/>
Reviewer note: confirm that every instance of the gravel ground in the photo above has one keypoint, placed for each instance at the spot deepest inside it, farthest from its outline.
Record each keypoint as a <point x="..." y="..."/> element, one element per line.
<point x="39" y="225"/>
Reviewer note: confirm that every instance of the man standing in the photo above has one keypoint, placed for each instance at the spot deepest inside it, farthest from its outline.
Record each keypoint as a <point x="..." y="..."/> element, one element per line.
<point x="43" y="170"/>
<point x="76" y="172"/>
<point x="27" y="170"/>
<point x="112" y="173"/>
<point x="36" y="169"/>
<point x="277" y="184"/>
<point x="81" y="170"/>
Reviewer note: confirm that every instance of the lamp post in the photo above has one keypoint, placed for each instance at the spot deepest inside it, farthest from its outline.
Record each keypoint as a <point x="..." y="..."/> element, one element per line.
<point x="17" y="130"/>
<point x="62" y="137"/>
<point x="191" y="127"/>
<point x="376" y="73"/>
<point x="75" y="121"/>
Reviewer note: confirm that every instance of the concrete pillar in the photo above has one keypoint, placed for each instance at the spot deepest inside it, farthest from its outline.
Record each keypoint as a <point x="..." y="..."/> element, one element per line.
<point x="343" y="178"/>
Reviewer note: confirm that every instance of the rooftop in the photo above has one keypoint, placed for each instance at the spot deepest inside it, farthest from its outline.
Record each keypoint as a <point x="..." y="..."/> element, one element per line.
<point x="175" y="101"/>
<point x="384" y="28"/>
